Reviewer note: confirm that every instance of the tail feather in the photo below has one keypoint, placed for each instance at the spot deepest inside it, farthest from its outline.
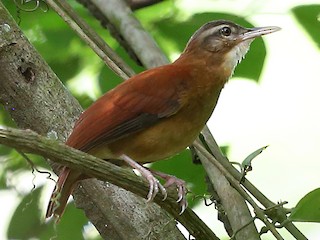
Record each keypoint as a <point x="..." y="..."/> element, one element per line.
<point x="65" y="185"/>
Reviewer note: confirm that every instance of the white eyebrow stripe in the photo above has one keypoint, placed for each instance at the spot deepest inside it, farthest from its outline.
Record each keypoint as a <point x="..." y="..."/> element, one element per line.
<point x="207" y="32"/>
<point x="210" y="31"/>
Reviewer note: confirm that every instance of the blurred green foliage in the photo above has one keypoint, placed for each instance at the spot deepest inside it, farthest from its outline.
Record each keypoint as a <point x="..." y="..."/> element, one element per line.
<point x="27" y="221"/>
<point x="68" y="56"/>
<point x="309" y="17"/>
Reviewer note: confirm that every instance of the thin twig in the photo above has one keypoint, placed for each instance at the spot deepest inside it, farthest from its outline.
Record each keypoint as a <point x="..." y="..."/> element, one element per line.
<point x="95" y="42"/>
<point x="235" y="183"/>
<point x="267" y="203"/>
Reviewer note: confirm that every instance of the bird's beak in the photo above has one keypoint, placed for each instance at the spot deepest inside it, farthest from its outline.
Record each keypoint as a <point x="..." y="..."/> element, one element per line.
<point x="257" y="32"/>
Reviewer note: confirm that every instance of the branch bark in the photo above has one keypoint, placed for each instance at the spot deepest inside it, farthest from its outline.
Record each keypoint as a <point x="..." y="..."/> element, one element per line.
<point x="137" y="4"/>
<point x="119" y="19"/>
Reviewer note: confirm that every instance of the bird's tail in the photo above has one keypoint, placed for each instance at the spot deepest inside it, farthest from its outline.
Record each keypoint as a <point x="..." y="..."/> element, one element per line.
<point x="65" y="185"/>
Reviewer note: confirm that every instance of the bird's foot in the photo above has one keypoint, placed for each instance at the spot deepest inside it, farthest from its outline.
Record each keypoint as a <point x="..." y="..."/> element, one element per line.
<point x="181" y="188"/>
<point x="154" y="184"/>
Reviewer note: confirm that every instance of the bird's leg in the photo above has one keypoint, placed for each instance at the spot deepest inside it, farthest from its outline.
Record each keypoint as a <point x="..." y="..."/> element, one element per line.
<point x="154" y="184"/>
<point x="180" y="184"/>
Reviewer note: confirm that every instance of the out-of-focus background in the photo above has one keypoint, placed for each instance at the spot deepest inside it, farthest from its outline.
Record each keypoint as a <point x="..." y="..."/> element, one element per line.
<point x="273" y="99"/>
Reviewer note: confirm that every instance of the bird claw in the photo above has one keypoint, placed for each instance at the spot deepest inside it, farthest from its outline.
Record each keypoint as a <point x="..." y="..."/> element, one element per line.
<point x="154" y="186"/>
<point x="181" y="188"/>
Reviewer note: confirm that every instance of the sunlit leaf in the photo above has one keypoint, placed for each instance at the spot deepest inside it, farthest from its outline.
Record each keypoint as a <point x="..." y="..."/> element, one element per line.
<point x="308" y="208"/>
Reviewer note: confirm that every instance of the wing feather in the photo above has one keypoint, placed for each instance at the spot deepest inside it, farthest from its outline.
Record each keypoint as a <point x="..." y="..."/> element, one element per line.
<point x="132" y="106"/>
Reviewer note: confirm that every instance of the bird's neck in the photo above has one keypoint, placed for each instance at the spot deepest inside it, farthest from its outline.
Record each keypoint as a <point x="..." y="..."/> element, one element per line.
<point x="221" y="63"/>
<point x="209" y="68"/>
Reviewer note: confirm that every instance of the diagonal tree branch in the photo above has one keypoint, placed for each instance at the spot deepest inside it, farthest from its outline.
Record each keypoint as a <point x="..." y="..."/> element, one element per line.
<point x="31" y="142"/>
<point x="119" y="19"/>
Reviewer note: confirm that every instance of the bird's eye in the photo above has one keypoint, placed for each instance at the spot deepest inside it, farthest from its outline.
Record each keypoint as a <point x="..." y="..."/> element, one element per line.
<point x="225" y="31"/>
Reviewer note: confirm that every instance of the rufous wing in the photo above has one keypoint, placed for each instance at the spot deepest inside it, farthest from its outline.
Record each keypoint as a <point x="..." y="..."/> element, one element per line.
<point x="132" y="106"/>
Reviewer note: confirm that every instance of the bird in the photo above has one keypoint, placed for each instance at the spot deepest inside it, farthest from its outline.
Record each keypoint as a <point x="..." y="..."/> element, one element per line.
<point x="158" y="112"/>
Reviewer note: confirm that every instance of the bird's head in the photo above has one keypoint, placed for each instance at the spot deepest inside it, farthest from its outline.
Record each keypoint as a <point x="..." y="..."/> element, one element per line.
<point x="225" y="40"/>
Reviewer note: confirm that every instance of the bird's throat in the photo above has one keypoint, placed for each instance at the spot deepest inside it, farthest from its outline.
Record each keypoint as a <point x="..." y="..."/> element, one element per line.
<point x="235" y="55"/>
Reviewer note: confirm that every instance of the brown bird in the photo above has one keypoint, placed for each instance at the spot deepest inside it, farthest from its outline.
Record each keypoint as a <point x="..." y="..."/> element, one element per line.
<point x="159" y="112"/>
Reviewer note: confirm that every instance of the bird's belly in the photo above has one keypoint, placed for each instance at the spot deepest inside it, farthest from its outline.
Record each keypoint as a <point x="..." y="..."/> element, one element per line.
<point x="164" y="139"/>
<point x="158" y="142"/>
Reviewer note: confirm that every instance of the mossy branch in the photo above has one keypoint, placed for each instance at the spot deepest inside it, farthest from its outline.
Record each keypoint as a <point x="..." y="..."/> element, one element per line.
<point x="30" y="142"/>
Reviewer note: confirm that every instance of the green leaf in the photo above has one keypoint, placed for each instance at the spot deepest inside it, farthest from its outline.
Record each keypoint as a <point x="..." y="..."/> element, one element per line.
<point x="308" y="208"/>
<point x="5" y="118"/>
<point x="66" y="68"/>
<point x="247" y="161"/>
<point x="70" y="225"/>
<point x="308" y="16"/>
<point x="29" y="222"/>
<point x="182" y="167"/>
<point x="25" y="222"/>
